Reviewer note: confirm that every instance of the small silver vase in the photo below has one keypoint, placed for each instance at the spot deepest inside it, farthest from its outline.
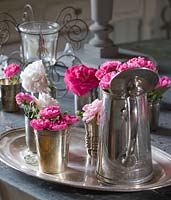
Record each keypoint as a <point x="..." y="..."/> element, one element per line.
<point x="52" y="150"/>
<point x="8" y="93"/>
<point x="91" y="138"/>
<point x="154" y="113"/>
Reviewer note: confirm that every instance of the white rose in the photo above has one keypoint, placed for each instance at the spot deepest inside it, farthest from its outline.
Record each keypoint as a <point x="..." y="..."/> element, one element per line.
<point x="46" y="100"/>
<point x="33" y="77"/>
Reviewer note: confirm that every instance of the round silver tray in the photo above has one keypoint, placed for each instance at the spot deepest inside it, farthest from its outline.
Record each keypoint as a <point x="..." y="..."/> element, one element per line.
<point x="81" y="169"/>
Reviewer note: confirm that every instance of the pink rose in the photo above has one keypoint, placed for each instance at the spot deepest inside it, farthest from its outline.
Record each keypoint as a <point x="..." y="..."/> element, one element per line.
<point x="141" y="62"/>
<point x="107" y="67"/>
<point x="105" y="81"/>
<point x="80" y="79"/>
<point x="51" y="118"/>
<point x="92" y="111"/>
<point x="59" y="125"/>
<point x="24" y="98"/>
<point x="138" y="61"/>
<point x="70" y="119"/>
<point x="39" y="124"/>
<point x="11" y="70"/>
<point x="163" y="82"/>
<point x="125" y="66"/>
<point x="50" y="112"/>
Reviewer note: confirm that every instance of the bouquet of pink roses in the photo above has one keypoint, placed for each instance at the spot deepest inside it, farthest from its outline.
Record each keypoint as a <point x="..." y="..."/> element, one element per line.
<point x="11" y="73"/>
<point x="157" y="93"/>
<point x="80" y="79"/>
<point x="110" y="69"/>
<point x="51" y="118"/>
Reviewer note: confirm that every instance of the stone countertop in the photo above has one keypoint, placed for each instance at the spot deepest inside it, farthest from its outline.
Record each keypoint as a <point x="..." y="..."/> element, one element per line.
<point x="34" y="188"/>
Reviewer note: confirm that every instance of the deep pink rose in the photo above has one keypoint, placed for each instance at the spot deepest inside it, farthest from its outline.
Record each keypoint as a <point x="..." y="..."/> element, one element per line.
<point x="50" y="112"/>
<point x="24" y="98"/>
<point x="141" y="62"/>
<point x="11" y="70"/>
<point x="105" y="81"/>
<point x="39" y="124"/>
<point x="125" y="66"/>
<point x="163" y="82"/>
<point x="59" y="125"/>
<point x="107" y="67"/>
<point x="50" y="118"/>
<point x="70" y="119"/>
<point x="80" y="79"/>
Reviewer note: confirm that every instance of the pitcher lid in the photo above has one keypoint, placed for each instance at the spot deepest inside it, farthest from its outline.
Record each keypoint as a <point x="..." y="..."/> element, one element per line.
<point x="134" y="82"/>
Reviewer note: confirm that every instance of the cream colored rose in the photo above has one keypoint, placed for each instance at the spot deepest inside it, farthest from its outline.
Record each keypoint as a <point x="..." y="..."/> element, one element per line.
<point x="33" y="78"/>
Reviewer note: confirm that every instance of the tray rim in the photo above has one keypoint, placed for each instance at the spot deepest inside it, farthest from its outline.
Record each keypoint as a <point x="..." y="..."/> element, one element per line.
<point x="104" y="187"/>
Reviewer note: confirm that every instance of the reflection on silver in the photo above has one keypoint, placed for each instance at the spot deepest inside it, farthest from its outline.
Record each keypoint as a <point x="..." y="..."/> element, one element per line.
<point x="80" y="172"/>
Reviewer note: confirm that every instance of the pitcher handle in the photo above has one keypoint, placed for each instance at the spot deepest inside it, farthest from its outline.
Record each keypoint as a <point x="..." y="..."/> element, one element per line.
<point x="132" y="130"/>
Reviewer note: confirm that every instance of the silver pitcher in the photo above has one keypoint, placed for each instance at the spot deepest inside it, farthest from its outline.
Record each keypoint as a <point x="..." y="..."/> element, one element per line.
<point x="124" y="155"/>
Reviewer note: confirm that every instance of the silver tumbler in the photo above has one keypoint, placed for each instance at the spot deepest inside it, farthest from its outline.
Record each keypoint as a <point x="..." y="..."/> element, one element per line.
<point x="52" y="150"/>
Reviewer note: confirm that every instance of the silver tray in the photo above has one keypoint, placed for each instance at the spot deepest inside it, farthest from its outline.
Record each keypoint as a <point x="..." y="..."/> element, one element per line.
<point x="81" y="169"/>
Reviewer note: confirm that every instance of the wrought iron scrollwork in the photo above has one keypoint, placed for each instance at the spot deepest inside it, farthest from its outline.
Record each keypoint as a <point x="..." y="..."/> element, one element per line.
<point x="28" y="13"/>
<point x="4" y="32"/>
<point x="56" y="72"/>
<point x="73" y="29"/>
<point x="5" y="21"/>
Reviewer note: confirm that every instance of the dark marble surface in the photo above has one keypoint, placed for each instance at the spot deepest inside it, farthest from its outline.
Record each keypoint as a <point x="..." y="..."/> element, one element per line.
<point x="40" y="189"/>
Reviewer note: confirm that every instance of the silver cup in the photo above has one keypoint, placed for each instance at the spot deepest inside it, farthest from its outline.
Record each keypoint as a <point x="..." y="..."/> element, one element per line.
<point x="8" y="93"/>
<point x="52" y="150"/>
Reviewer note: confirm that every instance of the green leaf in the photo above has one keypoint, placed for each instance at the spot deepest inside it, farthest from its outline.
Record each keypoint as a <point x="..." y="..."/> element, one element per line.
<point x="157" y="94"/>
